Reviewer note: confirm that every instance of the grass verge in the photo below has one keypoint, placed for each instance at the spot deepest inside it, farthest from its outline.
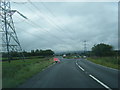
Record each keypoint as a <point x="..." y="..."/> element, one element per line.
<point x="17" y="72"/>
<point x="111" y="62"/>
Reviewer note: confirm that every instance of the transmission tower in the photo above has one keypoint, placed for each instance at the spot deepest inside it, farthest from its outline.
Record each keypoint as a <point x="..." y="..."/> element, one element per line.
<point x="10" y="42"/>
<point x="85" y="48"/>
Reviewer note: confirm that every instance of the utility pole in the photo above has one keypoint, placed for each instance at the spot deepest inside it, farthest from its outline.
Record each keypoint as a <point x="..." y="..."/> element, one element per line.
<point x="10" y="42"/>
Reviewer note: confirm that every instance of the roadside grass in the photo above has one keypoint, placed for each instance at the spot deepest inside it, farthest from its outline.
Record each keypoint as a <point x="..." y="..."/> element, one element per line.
<point x="17" y="58"/>
<point x="111" y="62"/>
<point x="69" y="57"/>
<point x="18" y="71"/>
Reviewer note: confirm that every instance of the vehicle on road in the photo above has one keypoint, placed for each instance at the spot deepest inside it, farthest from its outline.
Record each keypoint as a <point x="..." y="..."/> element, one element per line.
<point x="56" y="60"/>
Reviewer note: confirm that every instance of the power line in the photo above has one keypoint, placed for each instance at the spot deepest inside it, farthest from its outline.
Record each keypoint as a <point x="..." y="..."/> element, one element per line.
<point x="58" y="39"/>
<point x="59" y="28"/>
<point x="37" y="36"/>
<point x="33" y="23"/>
<point x="29" y="21"/>
<point x="48" y="18"/>
<point x="55" y="16"/>
<point x="52" y="35"/>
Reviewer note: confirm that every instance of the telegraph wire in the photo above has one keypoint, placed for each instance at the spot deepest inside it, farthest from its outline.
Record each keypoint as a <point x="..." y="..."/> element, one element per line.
<point x="44" y="39"/>
<point x="32" y="34"/>
<point x="29" y="21"/>
<point x="50" y="23"/>
<point x="53" y="23"/>
<point x="55" y="16"/>
<point x="48" y="9"/>
<point x="34" y="26"/>
<point x="39" y="25"/>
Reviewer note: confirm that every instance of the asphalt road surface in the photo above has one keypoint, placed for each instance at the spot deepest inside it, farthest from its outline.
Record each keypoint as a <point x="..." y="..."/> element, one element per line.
<point x="74" y="73"/>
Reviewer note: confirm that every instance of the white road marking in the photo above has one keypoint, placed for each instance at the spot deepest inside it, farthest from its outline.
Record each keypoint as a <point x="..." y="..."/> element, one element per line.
<point x="100" y="82"/>
<point x="76" y="63"/>
<point x="94" y="78"/>
<point x="80" y="67"/>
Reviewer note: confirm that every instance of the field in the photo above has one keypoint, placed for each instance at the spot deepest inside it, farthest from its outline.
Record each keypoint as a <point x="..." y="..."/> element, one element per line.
<point x="18" y="71"/>
<point x="112" y="62"/>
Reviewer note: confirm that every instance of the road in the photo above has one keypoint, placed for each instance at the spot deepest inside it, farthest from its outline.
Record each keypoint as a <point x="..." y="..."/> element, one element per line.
<point x="74" y="73"/>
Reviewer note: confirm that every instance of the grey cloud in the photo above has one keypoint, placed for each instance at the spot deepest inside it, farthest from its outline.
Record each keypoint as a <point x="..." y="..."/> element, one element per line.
<point x="72" y="24"/>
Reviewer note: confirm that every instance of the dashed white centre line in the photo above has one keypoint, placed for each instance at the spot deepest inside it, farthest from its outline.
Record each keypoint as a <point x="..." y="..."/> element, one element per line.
<point x="95" y="78"/>
<point x="76" y="63"/>
<point x="80" y="67"/>
<point x="100" y="82"/>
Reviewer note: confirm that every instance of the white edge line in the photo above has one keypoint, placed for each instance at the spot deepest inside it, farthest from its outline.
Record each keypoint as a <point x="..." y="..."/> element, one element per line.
<point x="100" y="82"/>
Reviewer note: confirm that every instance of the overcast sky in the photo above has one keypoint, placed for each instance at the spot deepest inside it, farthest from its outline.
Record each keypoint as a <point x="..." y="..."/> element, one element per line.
<point x="63" y="26"/>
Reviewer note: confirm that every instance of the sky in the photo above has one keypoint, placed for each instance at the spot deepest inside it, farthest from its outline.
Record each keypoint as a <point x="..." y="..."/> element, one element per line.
<point x="64" y="26"/>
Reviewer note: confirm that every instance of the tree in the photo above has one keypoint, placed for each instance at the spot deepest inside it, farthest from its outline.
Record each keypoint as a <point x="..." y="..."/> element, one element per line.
<point x="102" y="50"/>
<point x="37" y="52"/>
<point x="26" y="54"/>
<point x="32" y="53"/>
<point x="46" y="52"/>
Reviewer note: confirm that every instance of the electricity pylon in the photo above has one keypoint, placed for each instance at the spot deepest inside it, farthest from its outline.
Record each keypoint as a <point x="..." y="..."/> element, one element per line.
<point x="85" y="48"/>
<point x="10" y="42"/>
